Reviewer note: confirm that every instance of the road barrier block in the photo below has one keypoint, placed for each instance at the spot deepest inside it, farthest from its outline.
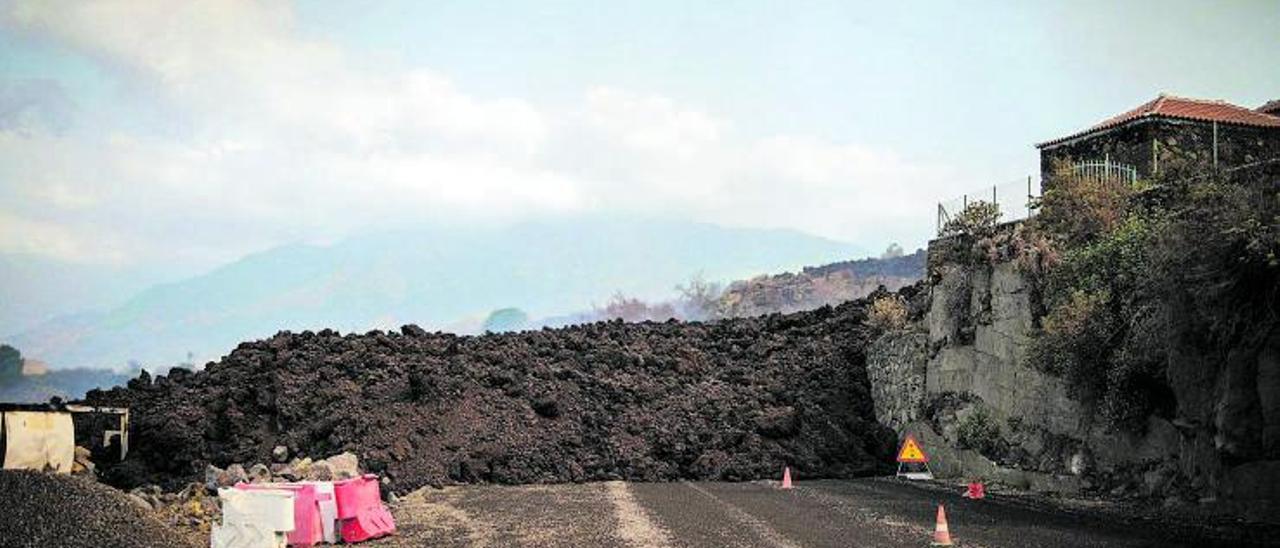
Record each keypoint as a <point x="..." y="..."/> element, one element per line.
<point x="308" y="529"/>
<point x="328" y="504"/>
<point x="360" y="509"/>
<point x="253" y="519"/>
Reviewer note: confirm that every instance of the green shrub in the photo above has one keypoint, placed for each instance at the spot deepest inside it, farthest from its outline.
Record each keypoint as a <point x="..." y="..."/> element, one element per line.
<point x="1191" y="258"/>
<point x="1092" y="297"/>
<point x="980" y="432"/>
<point x="978" y="219"/>
<point x="10" y="363"/>
<point x="506" y="319"/>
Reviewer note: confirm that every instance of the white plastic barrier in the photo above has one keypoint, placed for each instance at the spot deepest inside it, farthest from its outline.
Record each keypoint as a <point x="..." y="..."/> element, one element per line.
<point x="39" y="440"/>
<point x="326" y="506"/>
<point x="253" y="519"/>
<point x="328" y="509"/>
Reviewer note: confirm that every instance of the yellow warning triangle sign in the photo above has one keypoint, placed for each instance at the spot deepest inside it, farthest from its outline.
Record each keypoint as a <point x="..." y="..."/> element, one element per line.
<point x="911" y="451"/>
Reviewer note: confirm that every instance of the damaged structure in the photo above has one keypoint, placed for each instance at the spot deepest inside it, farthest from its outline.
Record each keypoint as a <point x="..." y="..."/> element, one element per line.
<point x="43" y="437"/>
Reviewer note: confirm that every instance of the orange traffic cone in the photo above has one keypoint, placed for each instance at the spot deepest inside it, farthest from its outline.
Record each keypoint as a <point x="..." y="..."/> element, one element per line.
<point x="786" y="477"/>
<point x="941" y="534"/>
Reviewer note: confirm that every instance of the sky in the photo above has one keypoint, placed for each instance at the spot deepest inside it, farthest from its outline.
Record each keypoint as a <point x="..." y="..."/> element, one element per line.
<point x="192" y="133"/>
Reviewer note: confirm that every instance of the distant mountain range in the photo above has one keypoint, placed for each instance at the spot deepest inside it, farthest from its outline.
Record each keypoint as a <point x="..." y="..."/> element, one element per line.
<point x="35" y="289"/>
<point x="433" y="277"/>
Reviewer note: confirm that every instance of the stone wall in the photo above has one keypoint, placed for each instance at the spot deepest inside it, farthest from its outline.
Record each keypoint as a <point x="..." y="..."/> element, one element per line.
<point x="1128" y="144"/>
<point x="1157" y="145"/>
<point x="896" y="369"/>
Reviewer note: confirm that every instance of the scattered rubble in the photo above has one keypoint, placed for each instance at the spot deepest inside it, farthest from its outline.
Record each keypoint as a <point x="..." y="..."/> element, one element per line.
<point x="43" y="510"/>
<point x="190" y="509"/>
<point x="83" y="463"/>
<point x="733" y="400"/>
<point x="195" y="507"/>
<point x="337" y="467"/>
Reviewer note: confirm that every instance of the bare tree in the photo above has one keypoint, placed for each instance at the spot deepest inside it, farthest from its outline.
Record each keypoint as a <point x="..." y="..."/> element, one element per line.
<point x="699" y="299"/>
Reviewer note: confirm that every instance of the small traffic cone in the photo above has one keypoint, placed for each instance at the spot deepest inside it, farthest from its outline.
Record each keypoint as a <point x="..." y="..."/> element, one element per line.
<point x="941" y="534"/>
<point x="786" y="477"/>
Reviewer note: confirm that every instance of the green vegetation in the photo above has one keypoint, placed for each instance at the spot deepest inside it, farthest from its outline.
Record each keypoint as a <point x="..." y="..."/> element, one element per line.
<point x="68" y="384"/>
<point x="1134" y="267"/>
<point x="978" y="219"/>
<point x="506" y="319"/>
<point x="10" y="363"/>
<point x="979" y="432"/>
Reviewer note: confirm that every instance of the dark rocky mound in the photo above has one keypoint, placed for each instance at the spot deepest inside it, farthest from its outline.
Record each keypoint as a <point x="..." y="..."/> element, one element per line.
<point x="41" y="510"/>
<point x="733" y="400"/>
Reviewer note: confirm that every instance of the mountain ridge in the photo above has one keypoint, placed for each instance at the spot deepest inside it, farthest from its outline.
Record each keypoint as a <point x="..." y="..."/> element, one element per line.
<point x="425" y="275"/>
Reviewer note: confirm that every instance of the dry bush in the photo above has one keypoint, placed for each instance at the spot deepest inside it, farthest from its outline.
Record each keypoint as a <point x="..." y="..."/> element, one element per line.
<point x="699" y="299"/>
<point x="631" y="309"/>
<point x="1078" y="209"/>
<point x="887" y="313"/>
<point x="1027" y="246"/>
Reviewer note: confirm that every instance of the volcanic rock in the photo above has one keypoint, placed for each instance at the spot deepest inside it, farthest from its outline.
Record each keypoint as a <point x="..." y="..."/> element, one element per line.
<point x="214" y="477"/>
<point x="42" y="510"/>
<point x="259" y="473"/>
<point x="235" y="474"/>
<point x="727" y="400"/>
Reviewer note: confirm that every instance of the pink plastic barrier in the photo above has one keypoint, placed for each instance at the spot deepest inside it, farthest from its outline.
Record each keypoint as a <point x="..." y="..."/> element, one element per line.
<point x="360" y="509"/>
<point x="307" y="525"/>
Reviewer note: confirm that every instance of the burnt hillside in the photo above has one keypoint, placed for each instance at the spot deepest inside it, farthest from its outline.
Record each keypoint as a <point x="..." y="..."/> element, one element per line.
<point x="735" y="399"/>
<point x="816" y="286"/>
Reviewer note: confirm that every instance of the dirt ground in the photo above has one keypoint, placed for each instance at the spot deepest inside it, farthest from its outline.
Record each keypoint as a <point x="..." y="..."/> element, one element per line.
<point x="865" y="512"/>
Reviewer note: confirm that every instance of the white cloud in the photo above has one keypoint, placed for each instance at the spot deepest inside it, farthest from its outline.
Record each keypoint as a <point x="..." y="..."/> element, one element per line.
<point x="284" y="137"/>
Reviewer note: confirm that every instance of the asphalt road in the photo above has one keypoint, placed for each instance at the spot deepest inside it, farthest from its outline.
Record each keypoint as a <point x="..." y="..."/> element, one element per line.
<point x="869" y="512"/>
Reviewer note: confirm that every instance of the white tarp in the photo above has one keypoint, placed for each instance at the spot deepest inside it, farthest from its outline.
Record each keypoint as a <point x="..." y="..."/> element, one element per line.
<point x="39" y="440"/>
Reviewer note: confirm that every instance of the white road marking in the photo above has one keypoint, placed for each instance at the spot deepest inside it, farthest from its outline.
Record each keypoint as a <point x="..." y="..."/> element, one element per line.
<point x="768" y="534"/>
<point x="634" y="525"/>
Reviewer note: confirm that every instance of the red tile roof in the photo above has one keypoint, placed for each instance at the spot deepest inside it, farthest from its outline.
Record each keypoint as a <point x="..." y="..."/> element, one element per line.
<point x="1168" y="106"/>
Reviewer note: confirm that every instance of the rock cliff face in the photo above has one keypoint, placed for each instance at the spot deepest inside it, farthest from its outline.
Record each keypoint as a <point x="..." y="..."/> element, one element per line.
<point x="959" y="379"/>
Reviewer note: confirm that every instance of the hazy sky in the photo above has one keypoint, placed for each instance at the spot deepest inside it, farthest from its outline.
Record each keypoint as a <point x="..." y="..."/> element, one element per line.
<point x="193" y="132"/>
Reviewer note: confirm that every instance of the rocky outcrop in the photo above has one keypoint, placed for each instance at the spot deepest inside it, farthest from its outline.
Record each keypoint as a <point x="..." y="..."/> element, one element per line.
<point x="959" y="380"/>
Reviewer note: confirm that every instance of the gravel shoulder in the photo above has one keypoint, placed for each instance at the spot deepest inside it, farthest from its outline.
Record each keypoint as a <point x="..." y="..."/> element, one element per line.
<point x="44" y="510"/>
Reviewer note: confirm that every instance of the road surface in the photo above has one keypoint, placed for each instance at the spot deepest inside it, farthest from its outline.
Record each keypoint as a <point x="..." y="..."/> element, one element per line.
<point x="867" y="512"/>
